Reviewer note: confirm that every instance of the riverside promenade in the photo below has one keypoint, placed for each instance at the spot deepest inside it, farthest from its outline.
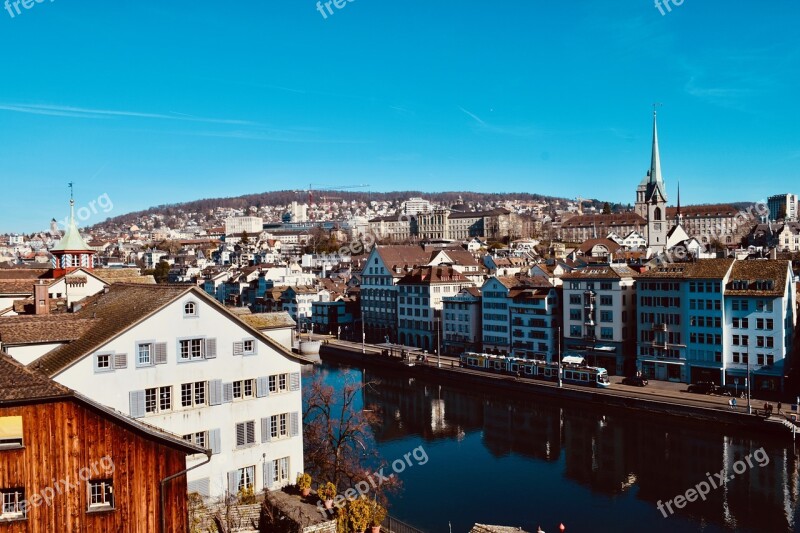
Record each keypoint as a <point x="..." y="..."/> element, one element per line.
<point x="659" y="398"/>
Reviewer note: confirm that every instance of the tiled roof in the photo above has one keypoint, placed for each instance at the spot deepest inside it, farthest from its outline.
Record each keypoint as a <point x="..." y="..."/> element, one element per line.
<point x="703" y="211"/>
<point x="615" y="219"/>
<point x="402" y="257"/>
<point x="430" y="275"/>
<point x="42" y="328"/>
<point x="24" y="273"/>
<point x="615" y="271"/>
<point x="16" y="286"/>
<point x="755" y="271"/>
<point x="261" y="321"/>
<point x="587" y="246"/>
<point x="701" y="269"/>
<point x="20" y="383"/>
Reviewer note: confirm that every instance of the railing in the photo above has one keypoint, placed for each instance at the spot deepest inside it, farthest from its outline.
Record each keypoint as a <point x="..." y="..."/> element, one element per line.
<point x="393" y="525"/>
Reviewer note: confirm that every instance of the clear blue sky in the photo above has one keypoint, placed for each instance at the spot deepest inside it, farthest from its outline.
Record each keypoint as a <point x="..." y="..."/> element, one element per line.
<point x="163" y="101"/>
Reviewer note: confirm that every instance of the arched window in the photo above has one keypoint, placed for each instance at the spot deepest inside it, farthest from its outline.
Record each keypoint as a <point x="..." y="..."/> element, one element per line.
<point x="657" y="214"/>
<point x="190" y="309"/>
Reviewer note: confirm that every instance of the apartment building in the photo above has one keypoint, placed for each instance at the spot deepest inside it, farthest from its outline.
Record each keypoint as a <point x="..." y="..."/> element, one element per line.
<point x="461" y="322"/>
<point x="496" y="314"/>
<point x="419" y="304"/>
<point x="713" y="320"/>
<point x="535" y="315"/>
<point x="599" y="316"/>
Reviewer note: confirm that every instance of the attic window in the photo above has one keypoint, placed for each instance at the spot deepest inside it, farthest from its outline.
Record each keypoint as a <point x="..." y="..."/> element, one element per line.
<point x="10" y="432"/>
<point x="190" y="309"/>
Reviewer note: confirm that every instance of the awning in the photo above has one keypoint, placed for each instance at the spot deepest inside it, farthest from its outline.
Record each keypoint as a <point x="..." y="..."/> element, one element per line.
<point x="10" y="427"/>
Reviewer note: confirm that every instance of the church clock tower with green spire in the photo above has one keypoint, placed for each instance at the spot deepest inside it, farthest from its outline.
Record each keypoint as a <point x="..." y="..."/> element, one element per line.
<point x="651" y="199"/>
<point x="71" y="252"/>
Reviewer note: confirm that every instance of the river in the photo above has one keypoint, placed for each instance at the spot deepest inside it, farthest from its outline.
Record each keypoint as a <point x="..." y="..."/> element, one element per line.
<point x="476" y="457"/>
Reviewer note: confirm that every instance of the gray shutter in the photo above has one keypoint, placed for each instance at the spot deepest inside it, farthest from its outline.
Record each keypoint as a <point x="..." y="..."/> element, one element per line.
<point x="238" y="348"/>
<point x="136" y="398"/>
<point x="262" y="387"/>
<point x="264" y="429"/>
<point x="211" y="348"/>
<point x="120" y="360"/>
<point x="294" y="381"/>
<point x="251" y="432"/>
<point x="215" y="392"/>
<point x="269" y="474"/>
<point x="269" y="429"/>
<point x="295" y="424"/>
<point x="200" y="486"/>
<point x="233" y="481"/>
<point x="160" y="350"/>
<point x="215" y="441"/>
<point x="239" y="435"/>
<point x="227" y="392"/>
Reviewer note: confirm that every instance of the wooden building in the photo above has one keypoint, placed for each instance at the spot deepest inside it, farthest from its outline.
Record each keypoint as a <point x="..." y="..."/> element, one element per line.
<point x="70" y="464"/>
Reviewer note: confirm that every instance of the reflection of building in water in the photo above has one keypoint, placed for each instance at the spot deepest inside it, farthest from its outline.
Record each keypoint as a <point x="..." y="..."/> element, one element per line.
<point x="408" y="407"/>
<point x="760" y="497"/>
<point x="533" y="431"/>
<point x="595" y="452"/>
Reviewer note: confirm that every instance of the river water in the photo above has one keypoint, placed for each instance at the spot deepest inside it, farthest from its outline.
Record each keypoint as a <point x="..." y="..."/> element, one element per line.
<point x="472" y="457"/>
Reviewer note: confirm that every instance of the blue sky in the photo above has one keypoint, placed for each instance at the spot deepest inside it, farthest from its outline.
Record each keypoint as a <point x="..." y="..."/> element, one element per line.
<point x="156" y="102"/>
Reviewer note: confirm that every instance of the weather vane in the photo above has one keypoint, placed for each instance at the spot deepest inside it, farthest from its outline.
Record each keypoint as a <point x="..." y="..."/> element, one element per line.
<point x="70" y="191"/>
<point x="656" y="106"/>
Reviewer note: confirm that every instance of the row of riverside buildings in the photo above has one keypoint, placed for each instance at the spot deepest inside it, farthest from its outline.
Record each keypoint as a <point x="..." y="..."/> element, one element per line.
<point x="131" y="393"/>
<point x="686" y="322"/>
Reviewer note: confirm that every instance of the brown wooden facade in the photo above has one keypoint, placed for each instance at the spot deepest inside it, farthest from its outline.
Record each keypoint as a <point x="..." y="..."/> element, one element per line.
<point x="65" y="435"/>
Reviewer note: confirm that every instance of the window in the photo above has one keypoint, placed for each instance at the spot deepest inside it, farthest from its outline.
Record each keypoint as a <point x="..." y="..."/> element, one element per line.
<point x="104" y="362"/>
<point x="280" y="470"/>
<point x="607" y="333"/>
<point x="243" y="389"/>
<point x="101" y="494"/>
<point x="282" y="378"/>
<point x="193" y="394"/>
<point x="247" y="478"/>
<point x="245" y="433"/>
<point x="150" y="400"/>
<point x="191" y="349"/>
<point x="249" y="347"/>
<point x="13" y="506"/>
<point x="10" y="432"/>
<point x="574" y="331"/>
<point x="165" y="398"/>
<point x="278" y="426"/>
<point x="190" y="309"/>
<point x="605" y="300"/>
<point x="144" y="355"/>
<point x="200" y="438"/>
<point x="606" y="316"/>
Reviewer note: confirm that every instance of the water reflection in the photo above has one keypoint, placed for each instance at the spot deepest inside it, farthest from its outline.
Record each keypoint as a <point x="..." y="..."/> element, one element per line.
<point x="644" y="458"/>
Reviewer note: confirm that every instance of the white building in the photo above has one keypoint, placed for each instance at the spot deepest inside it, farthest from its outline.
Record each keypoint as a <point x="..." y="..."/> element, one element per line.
<point x="298" y="212"/>
<point x="599" y="321"/>
<point x="236" y="225"/>
<point x="461" y="322"/>
<point x="496" y="314"/>
<point x="413" y="206"/>
<point x="174" y="358"/>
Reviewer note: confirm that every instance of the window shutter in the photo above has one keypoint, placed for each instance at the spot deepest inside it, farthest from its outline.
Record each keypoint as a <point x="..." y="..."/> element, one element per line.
<point x="160" y="353"/>
<point x="269" y="474"/>
<point x="227" y="392"/>
<point x="233" y="482"/>
<point x="294" y="381"/>
<point x="239" y="435"/>
<point x="264" y="429"/>
<point x="268" y="433"/>
<point x="211" y="348"/>
<point x="216" y="444"/>
<point x="238" y="348"/>
<point x="262" y="387"/>
<point x="136" y="398"/>
<point x="251" y="432"/>
<point x="215" y="392"/>
<point x="200" y="486"/>
<point x="120" y="360"/>
<point x="295" y="424"/>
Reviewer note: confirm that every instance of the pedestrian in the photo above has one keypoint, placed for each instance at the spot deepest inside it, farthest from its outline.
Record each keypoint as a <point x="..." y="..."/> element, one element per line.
<point x="733" y="403"/>
<point x="766" y="410"/>
<point x="779" y="407"/>
<point x="730" y="403"/>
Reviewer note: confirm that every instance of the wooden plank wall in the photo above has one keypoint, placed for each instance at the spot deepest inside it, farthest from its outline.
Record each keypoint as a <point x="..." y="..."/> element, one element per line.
<point x="63" y="437"/>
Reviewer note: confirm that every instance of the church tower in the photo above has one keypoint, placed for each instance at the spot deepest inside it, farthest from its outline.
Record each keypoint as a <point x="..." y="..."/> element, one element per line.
<point x="71" y="252"/>
<point x="651" y="199"/>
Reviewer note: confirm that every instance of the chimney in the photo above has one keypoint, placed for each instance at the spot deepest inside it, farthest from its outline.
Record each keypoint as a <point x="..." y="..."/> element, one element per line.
<point x="41" y="298"/>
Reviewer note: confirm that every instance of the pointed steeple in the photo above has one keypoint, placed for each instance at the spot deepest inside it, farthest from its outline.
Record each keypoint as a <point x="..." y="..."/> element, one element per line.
<point x="72" y="240"/>
<point x="655" y="159"/>
<point x="71" y="252"/>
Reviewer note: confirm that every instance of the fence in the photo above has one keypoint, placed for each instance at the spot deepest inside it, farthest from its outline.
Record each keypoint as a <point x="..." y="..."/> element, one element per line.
<point x="393" y="525"/>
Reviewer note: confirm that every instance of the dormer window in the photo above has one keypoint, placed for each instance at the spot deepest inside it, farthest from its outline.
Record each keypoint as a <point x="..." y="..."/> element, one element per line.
<point x="190" y="309"/>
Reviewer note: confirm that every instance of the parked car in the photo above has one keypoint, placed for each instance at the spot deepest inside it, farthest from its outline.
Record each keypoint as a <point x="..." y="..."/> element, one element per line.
<point x="703" y="387"/>
<point x="636" y="381"/>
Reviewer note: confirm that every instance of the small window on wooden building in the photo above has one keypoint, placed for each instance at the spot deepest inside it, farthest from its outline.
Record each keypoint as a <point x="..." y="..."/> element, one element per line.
<point x="13" y="504"/>
<point x="10" y="432"/>
<point x="101" y="494"/>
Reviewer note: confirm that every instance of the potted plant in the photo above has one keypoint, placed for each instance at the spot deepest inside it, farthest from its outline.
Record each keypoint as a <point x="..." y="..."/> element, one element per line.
<point x="378" y="516"/>
<point x="326" y="493"/>
<point x="359" y="514"/>
<point x="304" y="484"/>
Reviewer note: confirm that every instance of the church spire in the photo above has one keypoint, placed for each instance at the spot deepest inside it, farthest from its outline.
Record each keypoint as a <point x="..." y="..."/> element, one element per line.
<point x="655" y="159"/>
<point x="678" y="214"/>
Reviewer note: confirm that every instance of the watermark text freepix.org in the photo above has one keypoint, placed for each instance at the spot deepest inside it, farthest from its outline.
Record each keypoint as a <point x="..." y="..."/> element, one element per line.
<point x="104" y="467"/>
<point x="665" y="6"/>
<point x="84" y="213"/>
<point x="13" y="6"/>
<point x="375" y="480"/>
<point x="702" y="489"/>
<point x="325" y="9"/>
